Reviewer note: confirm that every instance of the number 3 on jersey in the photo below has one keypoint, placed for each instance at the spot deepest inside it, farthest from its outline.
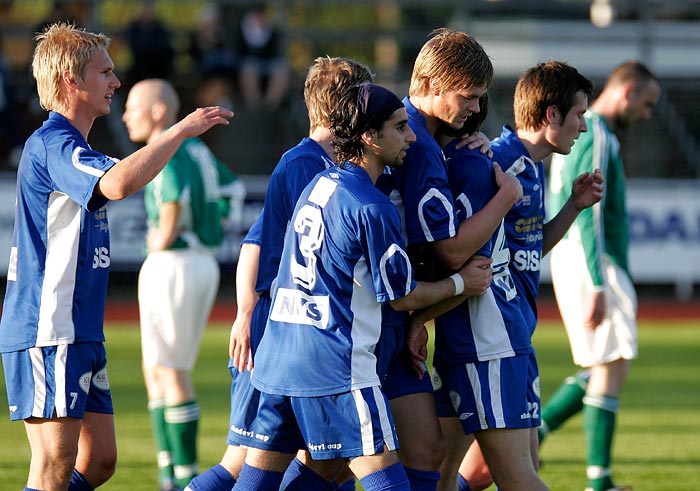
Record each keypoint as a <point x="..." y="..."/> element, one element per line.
<point x="308" y="224"/>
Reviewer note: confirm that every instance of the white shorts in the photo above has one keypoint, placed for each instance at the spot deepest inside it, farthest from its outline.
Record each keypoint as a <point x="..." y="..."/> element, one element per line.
<point x="616" y="337"/>
<point x="176" y="293"/>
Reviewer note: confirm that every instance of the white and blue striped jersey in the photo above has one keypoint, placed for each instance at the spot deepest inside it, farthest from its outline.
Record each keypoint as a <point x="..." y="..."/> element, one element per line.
<point x="525" y="220"/>
<point x="420" y="188"/>
<point x="343" y="257"/>
<point x="59" y="262"/>
<point x="490" y="326"/>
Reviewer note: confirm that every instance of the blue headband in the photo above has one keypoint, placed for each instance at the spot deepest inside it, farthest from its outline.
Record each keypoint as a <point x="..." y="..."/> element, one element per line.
<point x="376" y="104"/>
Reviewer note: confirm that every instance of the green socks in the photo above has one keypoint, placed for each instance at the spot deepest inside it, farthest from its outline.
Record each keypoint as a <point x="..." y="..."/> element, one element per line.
<point x="156" y="409"/>
<point x="564" y="403"/>
<point x="175" y="434"/>
<point x="599" y="415"/>
<point x="181" y="422"/>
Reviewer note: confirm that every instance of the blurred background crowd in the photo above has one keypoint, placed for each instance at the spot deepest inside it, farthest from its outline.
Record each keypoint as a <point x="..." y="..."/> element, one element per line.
<point x="253" y="56"/>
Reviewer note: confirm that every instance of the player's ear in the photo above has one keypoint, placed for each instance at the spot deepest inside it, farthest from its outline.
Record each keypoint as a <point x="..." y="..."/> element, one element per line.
<point x="159" y="110"/>
<point x="552" y="115"/>
<point x="369" y="137"/>
<point x="68" y="78"/>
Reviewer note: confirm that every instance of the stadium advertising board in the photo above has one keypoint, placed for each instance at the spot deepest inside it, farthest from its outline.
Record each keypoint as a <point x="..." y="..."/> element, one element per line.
<point x="664" y="229"/>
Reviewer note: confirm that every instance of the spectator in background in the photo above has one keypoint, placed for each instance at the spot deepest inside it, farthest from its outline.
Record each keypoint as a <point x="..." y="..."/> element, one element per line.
<point x="264" y="72"/>
<point x="215" y="58"/>
<point x="10" y="143"/>
<point x="150" y="44"/>
<point x="59" y="13"/>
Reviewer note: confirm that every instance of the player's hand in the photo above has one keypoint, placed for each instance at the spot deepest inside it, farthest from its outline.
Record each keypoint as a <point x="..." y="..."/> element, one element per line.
<point x="477" y="275"/>
<point x="508" y="183"/>
<point x="417" y="344"/>
<point x="239" y="345"/>
<point x="595" y="311"/>
<point x="476" y="140"/>
<point x="587" y="189"/>
<point x="203" y="119"/>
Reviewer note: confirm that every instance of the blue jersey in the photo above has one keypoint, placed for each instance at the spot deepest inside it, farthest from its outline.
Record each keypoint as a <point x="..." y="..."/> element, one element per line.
<point x="420" y="188"/>
<point x="294" y="171"/>
<point x="525" y="221"/>
<point x="343" y="257"/>
<point x="57" y="279"/>
<point x="490" y="326"/>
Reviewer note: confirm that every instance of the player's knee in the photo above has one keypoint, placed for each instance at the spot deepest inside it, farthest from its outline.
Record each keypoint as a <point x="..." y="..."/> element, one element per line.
<point x="426" y="455"/>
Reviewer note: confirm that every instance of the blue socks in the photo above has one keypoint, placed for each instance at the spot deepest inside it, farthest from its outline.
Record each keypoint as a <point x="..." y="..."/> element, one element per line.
<point x="254" y="478"/>
<point x="216" y="478"/>
<point x="392" y="478"/>
<point x="422" y="480"/>
<point x="299" y="477"/>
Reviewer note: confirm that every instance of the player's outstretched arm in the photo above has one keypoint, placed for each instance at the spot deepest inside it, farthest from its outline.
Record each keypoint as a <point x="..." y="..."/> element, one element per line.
<point x="135" y="171"/>
<point x="246" y="298"/>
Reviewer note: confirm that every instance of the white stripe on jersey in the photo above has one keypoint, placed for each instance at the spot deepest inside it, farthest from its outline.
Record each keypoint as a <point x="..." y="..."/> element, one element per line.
<point x="464" y="200"/>
<point x="601" y="143"/>
<point x="365" y="328"/>
<point x="488" y="327"/>
<point x="382" y="269"/>
<point x="59" y="373"/>
<point x="63" y="219"/>
<point x="82" y="167"/>
<point x="495" y="390"/>
<point x="39" y="374"/>
<point x="434" y="193"/>
<point x="322" y="192"/>
<point x="366" y="430"/>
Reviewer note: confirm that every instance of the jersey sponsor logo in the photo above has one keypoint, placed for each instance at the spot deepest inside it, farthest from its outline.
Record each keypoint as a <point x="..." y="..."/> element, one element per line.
<point x="525" y="260"/>
<point x="84" y="382"/>
<point x="528" y="225"/>
<point x="100" y="379"/>
<point x="295" y="307"/>
<point x="101" y="258"/>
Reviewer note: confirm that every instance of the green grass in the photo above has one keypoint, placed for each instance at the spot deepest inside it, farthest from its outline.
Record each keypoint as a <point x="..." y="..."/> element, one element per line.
<point x="657" y="446"/>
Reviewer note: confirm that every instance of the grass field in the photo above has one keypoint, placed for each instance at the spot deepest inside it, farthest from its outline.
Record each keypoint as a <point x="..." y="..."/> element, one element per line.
<point x="657" y="447"/>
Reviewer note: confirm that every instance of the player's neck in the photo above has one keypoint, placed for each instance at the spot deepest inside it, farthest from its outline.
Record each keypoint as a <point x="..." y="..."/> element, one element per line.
<point x="324" y="138"/>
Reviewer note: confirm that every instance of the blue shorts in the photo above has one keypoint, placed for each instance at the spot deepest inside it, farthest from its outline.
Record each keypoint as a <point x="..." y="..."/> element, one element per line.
<point x="401" y="380"/>
<point x="486" y="394"/>
<point x="244" y="404"/>
<point x="533" y="390"/>
<point x="361" y="424"/>
<point x="57" y="381"/>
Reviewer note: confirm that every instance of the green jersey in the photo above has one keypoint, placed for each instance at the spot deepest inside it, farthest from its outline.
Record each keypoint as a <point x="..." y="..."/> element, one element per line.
<point x="603" y="228"/>
<point x="193" y="178"/>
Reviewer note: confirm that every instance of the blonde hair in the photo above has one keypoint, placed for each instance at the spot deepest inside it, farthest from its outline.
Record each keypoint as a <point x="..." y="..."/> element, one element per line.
<point x="59" y="48"/>
<point x="326" y="81"/>
<point x="453" y="60"/>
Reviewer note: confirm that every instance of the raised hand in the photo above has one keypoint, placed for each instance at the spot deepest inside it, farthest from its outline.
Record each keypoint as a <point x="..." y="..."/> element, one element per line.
<point x="587" y="189"/>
